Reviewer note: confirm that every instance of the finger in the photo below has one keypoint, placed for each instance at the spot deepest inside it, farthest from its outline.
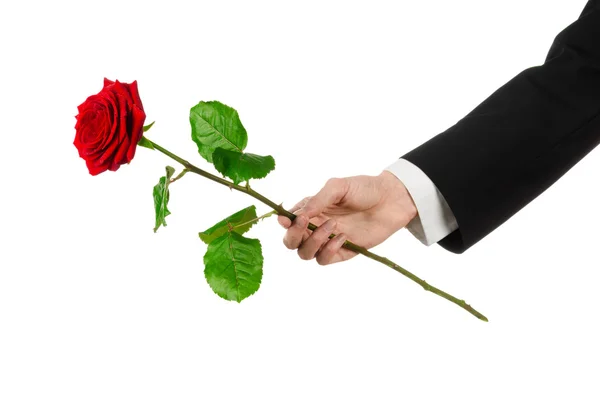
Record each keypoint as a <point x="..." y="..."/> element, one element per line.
<point x="333" y="192"/>
<point x="293" y="236"/>
<point x="308" y="249"/>
<point x="284" y="221"/>
<point x="287" y="222"/>
<point x="299" y="204"/>
<point x="331" y="250"/>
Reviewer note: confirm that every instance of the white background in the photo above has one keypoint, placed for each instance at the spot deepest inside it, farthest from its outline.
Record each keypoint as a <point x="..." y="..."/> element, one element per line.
<point x="93" y="303"/>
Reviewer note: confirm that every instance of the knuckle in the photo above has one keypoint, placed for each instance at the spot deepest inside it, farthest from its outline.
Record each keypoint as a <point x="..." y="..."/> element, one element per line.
<point x="321" y="236"/>
<point x="327" y="227"/>
<point x="299" y="225"/>
<point x="333" y="182"/>
<point x="329" y="251"/>
<point x="337" y="184"/>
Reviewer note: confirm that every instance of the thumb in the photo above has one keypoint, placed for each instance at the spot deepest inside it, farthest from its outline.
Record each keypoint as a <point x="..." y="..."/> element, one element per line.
<point x="333" y="192"/>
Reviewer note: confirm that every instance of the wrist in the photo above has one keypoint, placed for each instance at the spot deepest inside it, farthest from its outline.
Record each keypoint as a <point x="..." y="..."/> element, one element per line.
<point x="397" y="192"/>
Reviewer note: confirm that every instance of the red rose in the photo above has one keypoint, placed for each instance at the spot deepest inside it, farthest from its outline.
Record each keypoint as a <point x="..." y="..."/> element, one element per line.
<point x="109" y="126"/>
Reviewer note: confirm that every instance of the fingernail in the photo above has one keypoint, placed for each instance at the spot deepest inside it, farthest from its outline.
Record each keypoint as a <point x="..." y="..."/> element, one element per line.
<point x="302" y="221"/>
<point x="329" y="225"/>
<point x="341" y="239"/>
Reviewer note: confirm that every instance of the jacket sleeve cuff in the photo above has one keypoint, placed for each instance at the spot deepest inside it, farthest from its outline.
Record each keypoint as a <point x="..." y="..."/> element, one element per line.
<point x="434" y="219"/>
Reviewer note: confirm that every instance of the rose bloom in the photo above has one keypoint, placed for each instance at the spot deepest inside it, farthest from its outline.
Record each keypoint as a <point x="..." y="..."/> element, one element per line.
<point x="109" y="126"/>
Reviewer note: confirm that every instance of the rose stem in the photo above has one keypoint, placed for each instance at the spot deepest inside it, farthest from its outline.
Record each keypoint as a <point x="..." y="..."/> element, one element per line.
<point x="348" y="244"/>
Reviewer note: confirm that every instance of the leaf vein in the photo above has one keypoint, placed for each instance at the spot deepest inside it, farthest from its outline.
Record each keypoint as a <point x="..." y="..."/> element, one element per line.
<point x="237" y="280"/>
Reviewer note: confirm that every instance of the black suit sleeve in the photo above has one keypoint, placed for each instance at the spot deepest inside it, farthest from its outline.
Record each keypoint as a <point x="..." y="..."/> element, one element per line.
<point x="521" y="139"/>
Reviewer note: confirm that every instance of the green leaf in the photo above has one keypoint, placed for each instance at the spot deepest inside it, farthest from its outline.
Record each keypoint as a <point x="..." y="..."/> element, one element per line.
<point x="242" y="166"/>
<point x="246" y="218"/>
<point x="146" y="143"/>
<point x="233" y="266"/>
<point x="216" y="125"/>
<point x="147" y="127"/>
<point x="161" y="198"/>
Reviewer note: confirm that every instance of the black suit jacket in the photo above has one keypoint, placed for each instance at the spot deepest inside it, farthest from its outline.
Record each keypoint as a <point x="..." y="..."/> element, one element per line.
<point x="521" y="139"/>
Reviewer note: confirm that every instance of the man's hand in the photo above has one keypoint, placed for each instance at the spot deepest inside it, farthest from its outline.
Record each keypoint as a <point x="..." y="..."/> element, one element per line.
<point x="364" y="209"/>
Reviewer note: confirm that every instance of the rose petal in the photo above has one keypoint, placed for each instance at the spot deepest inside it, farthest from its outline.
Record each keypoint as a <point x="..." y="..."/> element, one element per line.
<point x="107" y="82"/>
<point x="109" y="125"/>
<point x="137" y="128"/>
<point x="135" y="95"/>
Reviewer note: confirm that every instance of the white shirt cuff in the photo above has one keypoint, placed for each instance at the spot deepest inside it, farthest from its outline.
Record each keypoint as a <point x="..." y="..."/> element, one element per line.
<point x="435" y="219"/>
